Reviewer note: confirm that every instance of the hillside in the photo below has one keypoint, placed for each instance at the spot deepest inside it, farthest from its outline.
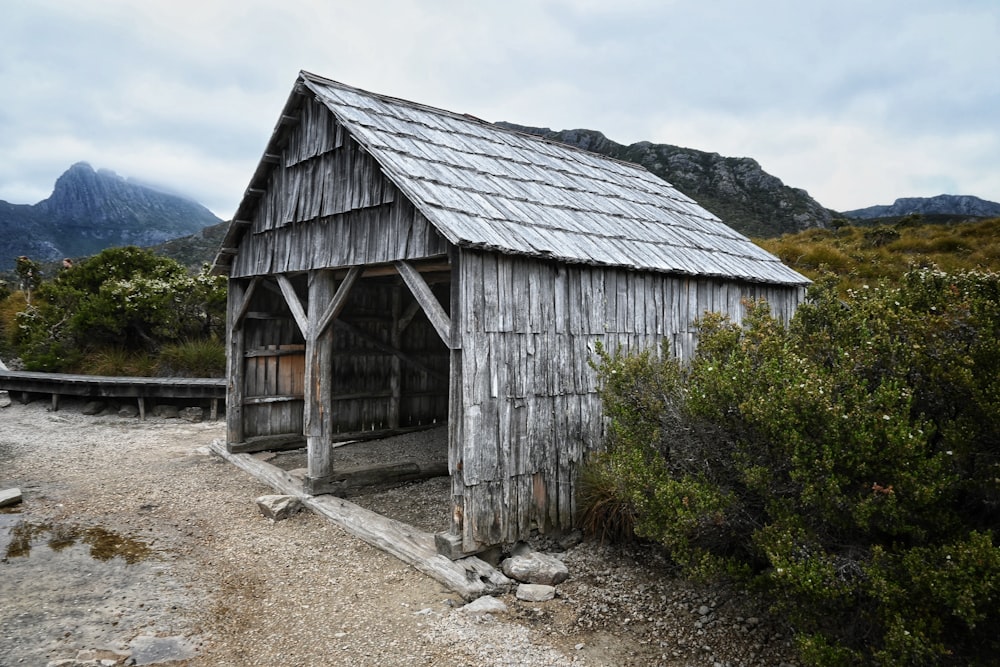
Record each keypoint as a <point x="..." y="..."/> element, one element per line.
<point x="91" y="210"/>
<point x="866" y="254"/>
<point x="737" y="190"/>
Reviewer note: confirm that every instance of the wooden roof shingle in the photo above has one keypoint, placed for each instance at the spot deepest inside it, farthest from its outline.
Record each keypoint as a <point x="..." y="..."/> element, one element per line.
<point x="488" y="187"/>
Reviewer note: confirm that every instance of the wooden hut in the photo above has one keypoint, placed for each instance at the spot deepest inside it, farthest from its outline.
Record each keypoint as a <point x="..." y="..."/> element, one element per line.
<point x="393" y="265"/>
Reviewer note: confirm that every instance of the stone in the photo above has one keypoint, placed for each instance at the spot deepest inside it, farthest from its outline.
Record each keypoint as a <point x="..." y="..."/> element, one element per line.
<point x="166" y="411"/>
<point x="94" y="408"/>
<point x="535" y="592"/>
<point x="484" y="605"/>
<point x="148" y="650"/>
<point x="277" y="507"/>
<point x="535" y="568"/>
<point x="193" y="415"/>
<point x="10" y="497"/>
<point x="570" y="540"/>
<point x="4" y="399"/>
<point x="128" y="410"/>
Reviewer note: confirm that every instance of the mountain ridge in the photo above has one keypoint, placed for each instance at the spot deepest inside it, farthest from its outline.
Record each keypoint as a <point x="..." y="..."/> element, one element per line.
<point x="91" y="210"/>
<point x="938" y="205"/>
<point x="736" y="189"/>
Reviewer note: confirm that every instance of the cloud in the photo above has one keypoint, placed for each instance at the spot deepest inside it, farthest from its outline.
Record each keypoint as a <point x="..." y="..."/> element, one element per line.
<point x="858" y="102"/>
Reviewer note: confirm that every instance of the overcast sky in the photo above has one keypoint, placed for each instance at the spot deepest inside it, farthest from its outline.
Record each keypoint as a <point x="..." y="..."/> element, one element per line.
<point x="856" y="101"/>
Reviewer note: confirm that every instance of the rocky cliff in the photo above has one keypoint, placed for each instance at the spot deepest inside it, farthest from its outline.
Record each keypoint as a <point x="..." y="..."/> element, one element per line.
<point x="737" y="190"/>
<point x="91" y="210"/>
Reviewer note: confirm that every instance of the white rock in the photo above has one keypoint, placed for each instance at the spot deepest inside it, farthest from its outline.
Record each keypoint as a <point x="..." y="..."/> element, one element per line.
<point x="277" y="507"/>
<point x="484" y="605"/>
<point x="535" y="568"/>
<point x="535" y="592"/>
<point x="10" y="497"/>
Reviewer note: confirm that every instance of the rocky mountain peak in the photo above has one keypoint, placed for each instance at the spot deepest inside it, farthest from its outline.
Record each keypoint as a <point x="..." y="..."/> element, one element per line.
<point x="90" y="210"/>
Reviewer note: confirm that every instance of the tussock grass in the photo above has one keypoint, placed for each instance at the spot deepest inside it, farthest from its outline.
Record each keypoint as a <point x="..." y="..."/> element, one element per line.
<point x="860" y="255"/>
<point x="193" y="358"/>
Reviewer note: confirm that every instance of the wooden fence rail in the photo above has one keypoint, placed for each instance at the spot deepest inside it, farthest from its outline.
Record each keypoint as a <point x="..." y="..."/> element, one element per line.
<point x="106" y="386"/>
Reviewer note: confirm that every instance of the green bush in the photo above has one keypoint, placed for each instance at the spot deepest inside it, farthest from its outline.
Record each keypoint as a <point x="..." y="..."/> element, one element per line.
<point x="848" y="465"/>
<point x="125" y="299"/>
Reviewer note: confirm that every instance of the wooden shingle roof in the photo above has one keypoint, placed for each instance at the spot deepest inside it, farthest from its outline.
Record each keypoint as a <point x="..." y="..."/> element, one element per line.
<point x="483" y="186"/>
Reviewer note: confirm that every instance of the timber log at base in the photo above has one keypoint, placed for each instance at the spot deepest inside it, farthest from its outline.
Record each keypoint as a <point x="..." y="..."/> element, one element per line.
<point x="351" y="480"/>
<point x="469" y="577"/>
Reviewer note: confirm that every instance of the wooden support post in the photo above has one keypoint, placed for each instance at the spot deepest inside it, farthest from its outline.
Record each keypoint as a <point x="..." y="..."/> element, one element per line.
<point x="55" y="402"/>
<point x="317" y="420"/>
<point x="395" y="365"/>
<point x="142" y="408"/>
<point x="214" y="410"/>
<point x="456" y="415"/>
<point x="239" y="300"/>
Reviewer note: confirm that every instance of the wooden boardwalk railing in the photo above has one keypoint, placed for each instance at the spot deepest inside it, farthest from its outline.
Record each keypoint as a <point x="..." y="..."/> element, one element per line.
<point x="106" y="386"/>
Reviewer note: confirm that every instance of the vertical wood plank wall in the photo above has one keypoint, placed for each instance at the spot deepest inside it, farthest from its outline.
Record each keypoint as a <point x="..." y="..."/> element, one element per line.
<point x="274" y="364"/>
<point x="328" y="204"/>
<point x="529" y="397"/>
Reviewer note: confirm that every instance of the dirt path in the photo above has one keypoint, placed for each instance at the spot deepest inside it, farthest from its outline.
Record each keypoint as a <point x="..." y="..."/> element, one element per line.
<point x="132" y="538"/>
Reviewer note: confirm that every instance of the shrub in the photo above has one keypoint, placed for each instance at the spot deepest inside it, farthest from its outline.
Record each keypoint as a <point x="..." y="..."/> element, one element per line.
<point x="124" y="299"/>
<point x="848" y="465"/>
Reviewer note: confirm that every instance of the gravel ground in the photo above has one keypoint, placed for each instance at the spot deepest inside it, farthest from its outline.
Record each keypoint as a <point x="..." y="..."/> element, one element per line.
<point x="134" y="539"/>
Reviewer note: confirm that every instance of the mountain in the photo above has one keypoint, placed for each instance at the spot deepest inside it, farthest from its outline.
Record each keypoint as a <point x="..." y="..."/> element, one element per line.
<point x="950" y="205"/>
<point x="89" y="211"/>
<point x="737" y="190"/>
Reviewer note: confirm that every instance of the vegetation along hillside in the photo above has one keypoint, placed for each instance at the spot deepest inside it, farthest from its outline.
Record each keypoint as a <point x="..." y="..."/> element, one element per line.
<point x="864" y="254"/>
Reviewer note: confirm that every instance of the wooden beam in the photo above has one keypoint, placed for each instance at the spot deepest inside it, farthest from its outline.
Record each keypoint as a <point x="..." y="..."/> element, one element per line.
<point x="344" y="482"/>
<point x="407" y="316"/>
<point x="425" y="297"/>
<point x="238" y="302"/>
<point x="244" y="301"/>
<point x="317" y="414"/>
<point x="383" y="270"/>
<point x="292" y="299"/>
<point x="469" y="577"/>
<point x="395" y="363"/>
<point x="338" y="301"/>
<point x="268" y="443"/>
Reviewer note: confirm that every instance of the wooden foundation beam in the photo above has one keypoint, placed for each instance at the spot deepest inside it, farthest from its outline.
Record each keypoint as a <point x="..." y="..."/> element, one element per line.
<point x="469" y="577"/>
<point x="347" y="481"/>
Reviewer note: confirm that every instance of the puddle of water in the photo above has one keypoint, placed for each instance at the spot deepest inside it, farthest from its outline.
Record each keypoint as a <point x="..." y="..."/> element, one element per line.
<point x="104" y="545"/>
<point x="66" y="588"/>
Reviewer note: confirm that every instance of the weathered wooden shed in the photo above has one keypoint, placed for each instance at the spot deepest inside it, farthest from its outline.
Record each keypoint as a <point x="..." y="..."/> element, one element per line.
<point x="393" y="265"/>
